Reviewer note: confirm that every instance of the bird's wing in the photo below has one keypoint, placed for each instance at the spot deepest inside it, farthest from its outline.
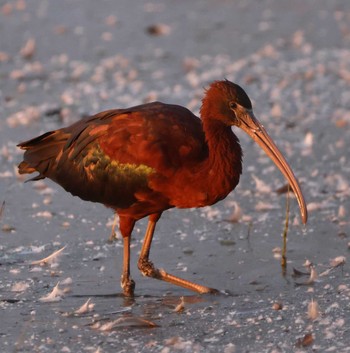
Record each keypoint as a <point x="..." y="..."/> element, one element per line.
<point x="164" y="137"/>
<point x="110" y="156"/>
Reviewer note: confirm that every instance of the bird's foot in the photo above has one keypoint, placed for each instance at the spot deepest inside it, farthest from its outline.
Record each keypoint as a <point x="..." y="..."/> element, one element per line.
<point x="147" y="269"/>
<point x="128" y="286"/>
<point x="112" y="238"/>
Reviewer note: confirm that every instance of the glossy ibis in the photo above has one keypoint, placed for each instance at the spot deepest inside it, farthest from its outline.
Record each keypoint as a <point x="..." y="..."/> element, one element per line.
<point x="146" y="159"/>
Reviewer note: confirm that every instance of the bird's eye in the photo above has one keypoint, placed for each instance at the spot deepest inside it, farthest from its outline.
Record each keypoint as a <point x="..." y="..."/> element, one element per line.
<point x="233" y="105"/>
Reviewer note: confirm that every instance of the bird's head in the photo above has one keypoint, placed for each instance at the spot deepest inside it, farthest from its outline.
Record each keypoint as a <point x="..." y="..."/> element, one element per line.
<point x="227" y="102"/>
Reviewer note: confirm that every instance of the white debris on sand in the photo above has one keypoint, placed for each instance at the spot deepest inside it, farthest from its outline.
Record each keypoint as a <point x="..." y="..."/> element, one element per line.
<point x="85" y="308"/>
<point x="20" y="286"/>
<point x="53" y="258"/>
<point x="54" y="296"/>
<point x="313" y="311"/>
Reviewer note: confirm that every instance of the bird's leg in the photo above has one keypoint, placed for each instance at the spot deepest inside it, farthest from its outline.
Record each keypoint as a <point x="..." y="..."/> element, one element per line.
<point x="113" y="236"/>
<point x="126" y="226"/>
<point x="148" y="269"/>
<point x="127" y="284"/>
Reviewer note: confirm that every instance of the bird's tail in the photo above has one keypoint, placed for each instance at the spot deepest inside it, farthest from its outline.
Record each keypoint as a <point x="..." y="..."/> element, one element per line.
<point x="41" y="153"/>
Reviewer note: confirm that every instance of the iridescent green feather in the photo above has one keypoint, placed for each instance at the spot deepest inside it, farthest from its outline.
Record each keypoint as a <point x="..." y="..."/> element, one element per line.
<point x="100" y="166"/>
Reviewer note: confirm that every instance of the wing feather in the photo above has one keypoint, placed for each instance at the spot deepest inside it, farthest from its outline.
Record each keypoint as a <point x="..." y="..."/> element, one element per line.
<point x="110" y="157"/>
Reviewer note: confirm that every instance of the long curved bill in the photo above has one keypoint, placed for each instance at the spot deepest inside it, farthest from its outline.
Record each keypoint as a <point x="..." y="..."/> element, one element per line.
<point x="257" y="132"/>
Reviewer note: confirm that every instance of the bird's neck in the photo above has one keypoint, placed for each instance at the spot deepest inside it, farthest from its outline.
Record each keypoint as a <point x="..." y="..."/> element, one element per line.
<point x="223" y="145"/>
<point x="224" y="163"/>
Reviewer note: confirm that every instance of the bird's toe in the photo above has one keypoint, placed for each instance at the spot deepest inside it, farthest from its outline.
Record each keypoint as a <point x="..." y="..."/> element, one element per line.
<point x="128" y="286"/>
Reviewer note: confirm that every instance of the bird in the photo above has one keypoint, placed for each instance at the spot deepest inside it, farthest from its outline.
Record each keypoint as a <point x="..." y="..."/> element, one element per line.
<point x="144" y="160"/>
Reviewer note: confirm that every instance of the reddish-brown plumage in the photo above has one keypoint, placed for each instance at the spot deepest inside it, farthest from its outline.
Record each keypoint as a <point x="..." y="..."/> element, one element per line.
<point x="146" y="159"/>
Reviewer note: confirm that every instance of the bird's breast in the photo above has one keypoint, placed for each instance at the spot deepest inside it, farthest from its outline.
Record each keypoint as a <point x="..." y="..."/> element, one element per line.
<point x="188" y="189"/>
